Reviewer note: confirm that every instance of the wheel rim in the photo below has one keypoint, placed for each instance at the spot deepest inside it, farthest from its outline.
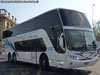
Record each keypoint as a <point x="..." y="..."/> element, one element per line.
<point x="43" y="63"/>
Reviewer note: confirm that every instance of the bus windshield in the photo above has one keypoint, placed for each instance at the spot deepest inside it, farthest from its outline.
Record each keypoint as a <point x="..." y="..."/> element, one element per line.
<point x="74" y="18"/>
<point x="80" y="40"/>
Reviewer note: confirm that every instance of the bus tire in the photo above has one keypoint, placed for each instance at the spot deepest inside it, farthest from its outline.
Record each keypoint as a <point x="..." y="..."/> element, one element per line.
<point x="9" y="57"/>
<point x="44" y="63"/>
<point x="14" y="58"/>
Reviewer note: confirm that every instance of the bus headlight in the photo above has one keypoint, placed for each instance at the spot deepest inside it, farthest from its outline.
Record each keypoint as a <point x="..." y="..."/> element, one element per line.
<point x="77" y="58"/>
<point x="74" y="57"/>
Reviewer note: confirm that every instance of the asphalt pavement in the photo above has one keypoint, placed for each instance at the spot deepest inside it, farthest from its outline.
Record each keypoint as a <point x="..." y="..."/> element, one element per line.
<point x="22" y="68"/>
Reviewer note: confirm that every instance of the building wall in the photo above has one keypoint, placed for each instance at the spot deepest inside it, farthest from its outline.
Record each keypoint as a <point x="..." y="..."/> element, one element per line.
<point x="1" y="29"/>
<point x="6" y="21"/>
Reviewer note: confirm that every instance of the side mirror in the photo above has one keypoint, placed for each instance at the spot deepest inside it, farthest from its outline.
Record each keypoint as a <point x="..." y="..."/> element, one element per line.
<point x="62" y="41"/>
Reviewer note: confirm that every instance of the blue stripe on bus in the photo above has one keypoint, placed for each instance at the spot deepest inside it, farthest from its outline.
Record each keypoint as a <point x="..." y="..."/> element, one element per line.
<point x="92" y="53"/>
<point x="78" y="54"/>
<point x="6" y="42"/>
<point x="50" y="49"/>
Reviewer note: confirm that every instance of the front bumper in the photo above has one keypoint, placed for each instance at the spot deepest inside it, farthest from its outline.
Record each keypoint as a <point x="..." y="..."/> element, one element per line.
<point x="81" y="63"/>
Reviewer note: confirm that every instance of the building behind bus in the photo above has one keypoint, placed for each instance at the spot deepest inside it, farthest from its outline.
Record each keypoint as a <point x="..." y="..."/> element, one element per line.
<point x="6" y="21"/>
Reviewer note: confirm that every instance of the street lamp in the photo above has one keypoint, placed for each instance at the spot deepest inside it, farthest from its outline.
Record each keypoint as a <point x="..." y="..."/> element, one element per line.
<point x="92" y="15"/>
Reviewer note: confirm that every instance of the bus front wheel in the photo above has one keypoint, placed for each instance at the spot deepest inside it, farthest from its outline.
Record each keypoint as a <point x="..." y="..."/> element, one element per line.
<point x="44" y="63"/>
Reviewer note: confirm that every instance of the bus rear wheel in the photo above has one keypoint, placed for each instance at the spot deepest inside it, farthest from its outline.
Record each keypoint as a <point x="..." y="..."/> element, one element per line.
<point x="9" y="58"/>
<point x="14" y="58"/>
<point x="44" y="64"/>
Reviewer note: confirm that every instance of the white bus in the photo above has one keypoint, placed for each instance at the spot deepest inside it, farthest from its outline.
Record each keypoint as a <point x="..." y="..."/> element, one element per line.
<point x="60" y="38"/>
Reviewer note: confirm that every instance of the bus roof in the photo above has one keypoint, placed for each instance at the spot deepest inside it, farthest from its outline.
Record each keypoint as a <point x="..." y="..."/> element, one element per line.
<point x="42" y="14"/>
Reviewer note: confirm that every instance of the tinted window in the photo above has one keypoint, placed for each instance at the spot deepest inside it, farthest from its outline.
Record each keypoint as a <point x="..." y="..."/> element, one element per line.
<point x="7" y="33"/>
<point x="30" y="45"/>
<point x="75" y="40"/>
<point x="90" y="41"/>
<point x="43" y="21"/>
<point x="74" y="18"/>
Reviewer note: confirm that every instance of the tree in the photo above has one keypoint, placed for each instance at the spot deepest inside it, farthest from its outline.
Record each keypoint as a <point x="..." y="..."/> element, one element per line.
<point x="96" y="29"/>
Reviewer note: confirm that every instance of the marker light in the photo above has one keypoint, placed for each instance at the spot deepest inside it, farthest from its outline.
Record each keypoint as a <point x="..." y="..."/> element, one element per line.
<point x="63" y="62"/>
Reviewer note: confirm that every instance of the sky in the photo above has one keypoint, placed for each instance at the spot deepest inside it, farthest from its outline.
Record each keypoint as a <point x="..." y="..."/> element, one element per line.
<point x="26" y="11"/>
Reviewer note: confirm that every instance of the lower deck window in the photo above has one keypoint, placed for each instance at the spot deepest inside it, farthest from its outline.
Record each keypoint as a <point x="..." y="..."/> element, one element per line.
<point x="30" y="45"/>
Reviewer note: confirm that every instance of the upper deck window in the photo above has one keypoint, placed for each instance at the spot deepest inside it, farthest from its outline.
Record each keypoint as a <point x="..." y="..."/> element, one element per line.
<point x="74" y="18"/>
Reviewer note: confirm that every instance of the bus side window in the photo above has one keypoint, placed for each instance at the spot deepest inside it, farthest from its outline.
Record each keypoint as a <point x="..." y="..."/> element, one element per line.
<point x="40" y="45"/>
<point x="31" y="45"/>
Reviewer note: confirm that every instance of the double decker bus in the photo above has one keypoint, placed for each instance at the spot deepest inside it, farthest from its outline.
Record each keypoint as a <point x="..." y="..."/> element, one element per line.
<point x="60" y="38"/>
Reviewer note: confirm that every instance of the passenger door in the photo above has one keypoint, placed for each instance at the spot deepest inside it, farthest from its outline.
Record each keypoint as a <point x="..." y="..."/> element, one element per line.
<point x="34" y="57"/>
<point x="61" y="53"/>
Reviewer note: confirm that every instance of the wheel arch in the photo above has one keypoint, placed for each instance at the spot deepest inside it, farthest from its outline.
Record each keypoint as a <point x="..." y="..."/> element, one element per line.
<point x="13" y="53"/>
<point x="9" y="53"/>
<point x="43" y="55"/>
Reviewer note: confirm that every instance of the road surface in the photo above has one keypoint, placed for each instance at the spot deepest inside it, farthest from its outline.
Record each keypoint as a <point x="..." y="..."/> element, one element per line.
<point x="22" y="68"/>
